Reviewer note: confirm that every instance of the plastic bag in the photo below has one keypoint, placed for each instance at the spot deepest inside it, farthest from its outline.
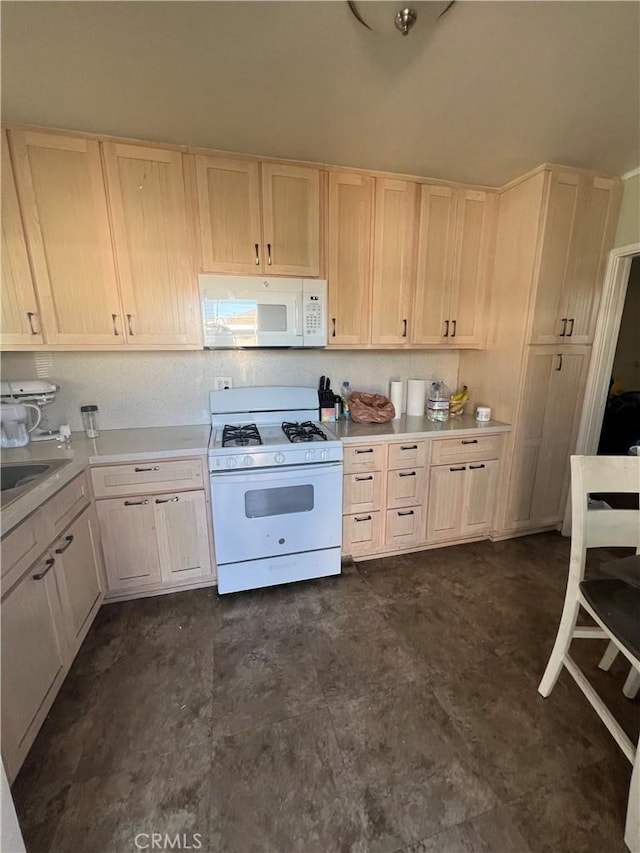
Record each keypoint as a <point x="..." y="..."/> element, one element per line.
<point x="370" y="408"/>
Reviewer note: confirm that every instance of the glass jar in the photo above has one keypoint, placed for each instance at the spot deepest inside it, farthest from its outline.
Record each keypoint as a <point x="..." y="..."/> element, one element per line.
<point x="90" y="420"/>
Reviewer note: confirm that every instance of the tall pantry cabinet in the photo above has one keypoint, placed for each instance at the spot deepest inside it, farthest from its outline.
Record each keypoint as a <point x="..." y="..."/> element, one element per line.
<point x="555" y="229"/>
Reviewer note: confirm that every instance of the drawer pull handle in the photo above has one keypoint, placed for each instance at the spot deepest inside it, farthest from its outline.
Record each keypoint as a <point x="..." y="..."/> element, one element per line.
<point x="140" y="470"/>
<point x="68" y="540"/>
<point x="363" y="518"/>
<point x="47" y="568"/>
<point x="360" y="479"/>
<point x="408" y="447"/>
<point x="368" y="450"/>
<point x="475" y="467"/>
<point x="406" y="512"/>
<point x="469" y="441"/>
<point x="462" y="468"/>
<point x="169" y="500"/>
<point x="407" y="474"/>
<point x="136" y="503"/>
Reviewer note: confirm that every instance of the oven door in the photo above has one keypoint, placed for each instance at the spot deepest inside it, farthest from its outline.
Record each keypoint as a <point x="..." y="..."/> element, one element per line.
<point x="276" y="511"/>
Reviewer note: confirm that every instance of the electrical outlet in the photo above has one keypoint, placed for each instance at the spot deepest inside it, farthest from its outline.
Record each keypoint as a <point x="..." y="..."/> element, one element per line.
<point x="221" y="383"/>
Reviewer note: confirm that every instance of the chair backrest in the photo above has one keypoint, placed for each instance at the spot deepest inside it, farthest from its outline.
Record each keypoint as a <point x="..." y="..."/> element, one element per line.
<point x="592" y="528"/>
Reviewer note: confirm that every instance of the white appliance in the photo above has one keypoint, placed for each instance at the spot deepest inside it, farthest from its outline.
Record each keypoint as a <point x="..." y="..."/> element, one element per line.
<point x="14" y="423"/>
<point x="35" y="394"/>
<point x="253" y="311"/>
<point x="276" y="487"/>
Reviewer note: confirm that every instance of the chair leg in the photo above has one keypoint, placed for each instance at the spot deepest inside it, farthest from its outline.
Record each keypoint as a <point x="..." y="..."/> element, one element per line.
<point x="632" y="825"/>
<point x="561" y="645"/>
<point x="632" y="684"/>
<point x="611" y="653"/>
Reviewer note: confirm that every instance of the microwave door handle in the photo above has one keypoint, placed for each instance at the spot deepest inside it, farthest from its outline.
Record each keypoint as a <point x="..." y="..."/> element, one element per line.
<point x="297" y="310"/>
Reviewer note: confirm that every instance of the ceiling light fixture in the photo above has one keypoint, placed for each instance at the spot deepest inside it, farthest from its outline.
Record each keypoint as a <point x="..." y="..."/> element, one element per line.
<point x="377" y="16"/>
<point x="405" y="19"/>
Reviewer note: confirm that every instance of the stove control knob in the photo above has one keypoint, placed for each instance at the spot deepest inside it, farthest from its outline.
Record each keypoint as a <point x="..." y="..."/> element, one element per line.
<point x="323" y="455"/>
<point x="232" y="462"/>
<point x="279" y="458"/>
<point x="248" y="460"/>
<point x="309" y="455"/>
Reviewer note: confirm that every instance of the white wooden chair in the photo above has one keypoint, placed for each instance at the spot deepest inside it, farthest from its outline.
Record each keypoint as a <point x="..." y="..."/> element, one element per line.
<point x="613" y="604"/>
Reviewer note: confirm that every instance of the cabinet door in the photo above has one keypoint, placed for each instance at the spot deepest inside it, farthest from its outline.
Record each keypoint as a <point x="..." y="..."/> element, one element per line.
<point x="129" y="542"/>
<point x="229" y="212"/>
<point x="479" y="497"/>
<point x="362" y="493"/>
<point x="34" y="656"/>
<point x="77" y="554"/>
<point x="559" y="231"/>
<point x="153" y="245"/>
<point x="291" y="220"/>
<point x="393" y="260"/>
<point x="446" y="502"/>
<point x="20" y="314"/>
<point x="474" y="228"/>
<point x="183" y="536"/>
<point x="64" y="206"/>
<point x="436" y="235"/>
<point x="350" y="222"/>
<point x="597" y="219"/>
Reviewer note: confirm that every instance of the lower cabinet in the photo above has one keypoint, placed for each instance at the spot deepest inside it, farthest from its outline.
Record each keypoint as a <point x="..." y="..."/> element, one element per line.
<point x="48" y="605"/>
<point x="461" y="500"/>
<point x="154" y="541"/>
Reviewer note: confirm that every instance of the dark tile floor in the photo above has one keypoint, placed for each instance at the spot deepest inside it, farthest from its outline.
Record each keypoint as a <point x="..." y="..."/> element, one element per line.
<point x="391" y="709"/>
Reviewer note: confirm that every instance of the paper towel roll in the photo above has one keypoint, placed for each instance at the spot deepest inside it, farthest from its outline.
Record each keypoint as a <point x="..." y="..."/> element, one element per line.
<point x="396" y="393"/>
<point x="416" y="393"/>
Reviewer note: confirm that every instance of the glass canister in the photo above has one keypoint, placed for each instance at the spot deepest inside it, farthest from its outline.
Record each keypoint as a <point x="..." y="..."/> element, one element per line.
<point x="90" y="420"/>
<point x="438" y="405"/>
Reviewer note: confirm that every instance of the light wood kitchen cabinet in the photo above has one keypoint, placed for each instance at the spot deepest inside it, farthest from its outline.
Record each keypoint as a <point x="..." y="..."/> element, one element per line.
<point x="64" y="208"/>
<point x="20" y="322"/>
<point x="362" y="492"/>
<point x="153" y="246"/>
<point x="406" y="488"/>
<point x="349" y="258"/>
<point x="404" y="527"/>
<point x="552" y="392"/>
<point x="155" y="525"/>
<point x="34" y="656"/>
<point x="258" y="218"/>
<point x="454" y="248"/>
<point x="362" y="533"/>
<point x="461" y="500"/>
<point x="581" y="216"/>
<point x="79" y="571"/>
<point x="393" y="261"/>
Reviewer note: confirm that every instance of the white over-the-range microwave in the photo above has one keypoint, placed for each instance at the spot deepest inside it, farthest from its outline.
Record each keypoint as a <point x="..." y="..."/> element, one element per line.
<point x="250" y="311"/>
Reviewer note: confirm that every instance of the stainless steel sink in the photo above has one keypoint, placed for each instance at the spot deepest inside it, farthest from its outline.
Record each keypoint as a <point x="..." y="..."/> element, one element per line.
<point x="18" y="477"/>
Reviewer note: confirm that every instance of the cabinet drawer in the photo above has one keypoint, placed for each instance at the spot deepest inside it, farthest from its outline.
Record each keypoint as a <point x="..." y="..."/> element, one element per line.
<point x="361" y="533"/>
<point x="406" y="488"/>
<point x="404" y="527"/>
<point x="66" y="504"/>
<point x="362" y="492"/>
<point x="144" y="477"/>
<point x="364" y="457"/>
<point x="22" y="546"/>
<point x="406" y="453"/>
<point x="467" y="449"/>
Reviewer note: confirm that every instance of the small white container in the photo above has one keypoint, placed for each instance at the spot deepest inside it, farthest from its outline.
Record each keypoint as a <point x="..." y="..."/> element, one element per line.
<point x="483" y="414"/>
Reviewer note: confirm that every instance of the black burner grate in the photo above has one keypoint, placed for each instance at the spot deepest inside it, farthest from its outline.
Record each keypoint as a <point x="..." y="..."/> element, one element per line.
<point x="306" y="431"/>
<point x="240" y="436"/>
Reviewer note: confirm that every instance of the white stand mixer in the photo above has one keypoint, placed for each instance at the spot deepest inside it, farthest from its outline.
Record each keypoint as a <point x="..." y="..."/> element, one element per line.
<point x="38" y="393"/>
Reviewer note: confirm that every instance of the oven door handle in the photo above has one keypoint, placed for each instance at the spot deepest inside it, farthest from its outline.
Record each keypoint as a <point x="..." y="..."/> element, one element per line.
<point x="261" y="477"/>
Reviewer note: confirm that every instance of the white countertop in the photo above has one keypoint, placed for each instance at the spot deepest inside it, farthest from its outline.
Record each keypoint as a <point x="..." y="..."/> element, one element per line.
<point x="414" y="427"/>
<point x="115" y="445"/>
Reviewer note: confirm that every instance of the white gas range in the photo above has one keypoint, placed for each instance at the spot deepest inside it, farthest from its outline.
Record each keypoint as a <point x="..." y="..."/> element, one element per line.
<point x="276" y="487"/>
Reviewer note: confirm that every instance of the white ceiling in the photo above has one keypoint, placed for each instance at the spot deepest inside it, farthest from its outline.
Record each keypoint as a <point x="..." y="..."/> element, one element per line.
<point x="491" y="91"/>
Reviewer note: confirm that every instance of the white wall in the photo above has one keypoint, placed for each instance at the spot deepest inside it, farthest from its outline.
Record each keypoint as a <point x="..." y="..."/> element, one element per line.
<point x="139" y="389"/>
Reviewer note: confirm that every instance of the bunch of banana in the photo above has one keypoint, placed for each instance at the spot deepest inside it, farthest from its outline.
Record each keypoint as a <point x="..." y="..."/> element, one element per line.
<point x="457" y="401"/>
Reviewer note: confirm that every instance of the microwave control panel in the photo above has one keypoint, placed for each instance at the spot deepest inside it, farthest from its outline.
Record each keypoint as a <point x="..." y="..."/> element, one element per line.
<point x="314" y="316"/>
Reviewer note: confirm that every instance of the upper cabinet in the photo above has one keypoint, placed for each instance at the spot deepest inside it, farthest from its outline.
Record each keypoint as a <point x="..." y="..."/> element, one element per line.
<point x="66" y="222"/>
<point x="258" y="218"/>
<point x="454" y="242"/>
<point x="349" y="257"/>
<point x="393" y="261"/>
<point x="153" y="245"/>
<point x="21" y="322"/>
<point x="579" y="227"/>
